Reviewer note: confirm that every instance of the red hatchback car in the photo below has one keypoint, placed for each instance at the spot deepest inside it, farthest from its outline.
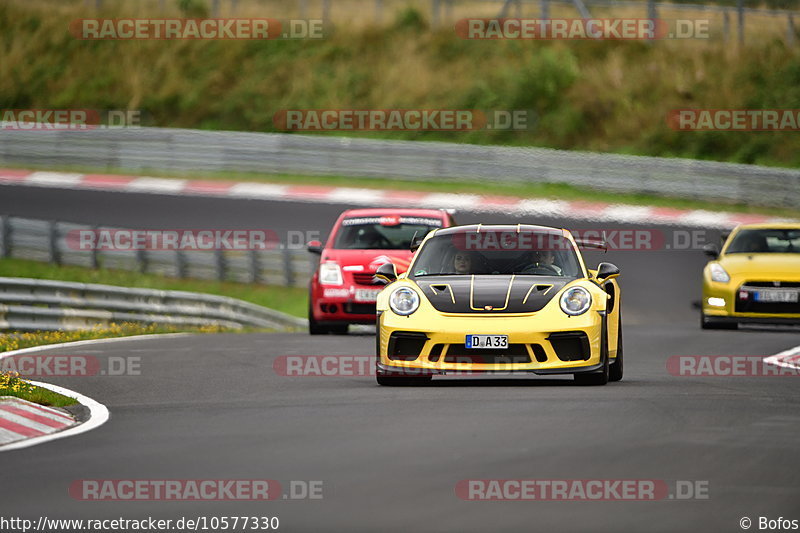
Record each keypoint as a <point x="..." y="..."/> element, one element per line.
<point x="341" y="290"/>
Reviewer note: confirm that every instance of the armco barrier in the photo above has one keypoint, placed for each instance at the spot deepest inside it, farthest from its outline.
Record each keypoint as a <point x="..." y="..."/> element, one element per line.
<point x="47" y="240"/>
<point x="36" y="305"/>
<point x="140" y="149"/>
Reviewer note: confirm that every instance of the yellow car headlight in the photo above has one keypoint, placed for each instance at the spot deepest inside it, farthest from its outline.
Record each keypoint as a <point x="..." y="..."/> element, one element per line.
<point x="575" y="301"/>
<point x="404" y="301"/>
<point x="718" y="273"/>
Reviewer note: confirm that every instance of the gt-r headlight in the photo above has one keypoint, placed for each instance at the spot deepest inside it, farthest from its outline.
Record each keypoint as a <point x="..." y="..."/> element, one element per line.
<point x="404" y="301"/>
<point x="330" y="274"/>
<point x="576" y="301"/>
<point x="718" y="273"/>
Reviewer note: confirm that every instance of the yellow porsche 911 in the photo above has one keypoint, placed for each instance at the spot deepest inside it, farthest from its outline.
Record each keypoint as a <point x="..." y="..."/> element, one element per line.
<point x="499" y="299"/>
<point x="754" y="279"/>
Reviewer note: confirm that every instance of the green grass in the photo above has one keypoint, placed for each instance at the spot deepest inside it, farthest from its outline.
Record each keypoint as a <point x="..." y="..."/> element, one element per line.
<point x="17" y="340"/>
<point x="558" y="191"/>
<point x="607" y="96"/>
<point x="290" y="300"/>
<point x="11" y="385"/>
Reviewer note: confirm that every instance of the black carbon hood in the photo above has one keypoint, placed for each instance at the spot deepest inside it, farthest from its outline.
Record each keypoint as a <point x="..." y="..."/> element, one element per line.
<point x="490" y="293"/>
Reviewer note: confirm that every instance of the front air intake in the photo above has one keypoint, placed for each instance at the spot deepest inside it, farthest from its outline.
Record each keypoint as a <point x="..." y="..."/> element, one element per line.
<point x="406" y="345"/>
<point x="571" y="345"/>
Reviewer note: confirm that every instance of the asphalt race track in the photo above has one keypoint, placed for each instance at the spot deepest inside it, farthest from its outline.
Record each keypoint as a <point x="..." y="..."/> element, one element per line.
<point x="208" y="407"/>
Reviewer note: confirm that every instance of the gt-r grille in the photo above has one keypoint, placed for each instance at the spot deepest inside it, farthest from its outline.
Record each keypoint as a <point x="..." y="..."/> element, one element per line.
<point x="514" y="354"/>
<point x="743" y="306"/>
<point x="364" y="279"/>
<point x="772" y="284"/>
<point x="747" y="302"/>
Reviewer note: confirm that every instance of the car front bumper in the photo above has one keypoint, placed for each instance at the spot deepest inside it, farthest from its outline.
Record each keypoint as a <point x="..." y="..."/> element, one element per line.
<point x="727" y="312"/>
<point x="436" y="344"/>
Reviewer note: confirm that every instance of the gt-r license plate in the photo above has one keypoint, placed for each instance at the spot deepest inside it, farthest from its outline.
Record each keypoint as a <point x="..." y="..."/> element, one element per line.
<point x="487" y="341"/>
<point x="367" y="295"/>
<point x="777" y="296"/>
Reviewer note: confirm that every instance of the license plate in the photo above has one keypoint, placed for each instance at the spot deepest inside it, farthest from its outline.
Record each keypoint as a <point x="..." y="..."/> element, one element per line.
<point x="487" y="341"/>
<point x="777" y="296"/>
<point x="367" y="295"/>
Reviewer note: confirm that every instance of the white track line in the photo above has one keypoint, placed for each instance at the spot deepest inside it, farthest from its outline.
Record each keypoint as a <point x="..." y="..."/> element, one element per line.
<point x="779" y="359"/>
<point x="602" y="212"/>
<point x="98" y="413"/>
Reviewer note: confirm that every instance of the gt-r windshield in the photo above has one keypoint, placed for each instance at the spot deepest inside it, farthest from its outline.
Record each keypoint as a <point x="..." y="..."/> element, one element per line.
<point x="488" y="252"/>
<point x="765" y="241"/>
<point x="383" y="233"/>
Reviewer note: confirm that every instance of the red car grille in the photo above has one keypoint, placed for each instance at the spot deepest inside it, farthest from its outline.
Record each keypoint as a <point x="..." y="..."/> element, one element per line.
<point x="364" y="279"/>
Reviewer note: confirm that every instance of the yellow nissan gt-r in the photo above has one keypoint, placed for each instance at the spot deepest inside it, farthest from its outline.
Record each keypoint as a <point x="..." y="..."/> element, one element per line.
<point x="502" y="299"/>
<point x="754" y="279"/>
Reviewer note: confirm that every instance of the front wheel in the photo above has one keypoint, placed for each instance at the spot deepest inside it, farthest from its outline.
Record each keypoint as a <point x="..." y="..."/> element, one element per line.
<point x="594" y="378"/>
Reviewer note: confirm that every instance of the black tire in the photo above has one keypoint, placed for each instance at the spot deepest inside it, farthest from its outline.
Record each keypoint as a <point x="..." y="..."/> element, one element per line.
<point x="598" y="377"/>
<point x="315" y="328"/>
<point x="707" y="322"/>
<point x="615" y="369"/>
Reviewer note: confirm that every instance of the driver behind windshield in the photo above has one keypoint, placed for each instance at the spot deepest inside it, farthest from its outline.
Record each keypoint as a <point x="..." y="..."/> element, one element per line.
<point x="542" y="261"/>
<point x="368" y="237"/>
<point x="462" y="263"/>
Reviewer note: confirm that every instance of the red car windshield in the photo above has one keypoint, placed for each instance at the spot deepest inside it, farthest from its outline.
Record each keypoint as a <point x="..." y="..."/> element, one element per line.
<point x="382" y="233"/>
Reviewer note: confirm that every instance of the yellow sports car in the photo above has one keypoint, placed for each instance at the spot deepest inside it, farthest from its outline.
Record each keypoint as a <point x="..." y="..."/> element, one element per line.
<point x="502" y="299"/>
<point x="755" y="278"/>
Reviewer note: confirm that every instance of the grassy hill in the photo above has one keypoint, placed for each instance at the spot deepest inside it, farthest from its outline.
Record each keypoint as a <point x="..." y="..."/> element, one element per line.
<point x="607" y="96"/>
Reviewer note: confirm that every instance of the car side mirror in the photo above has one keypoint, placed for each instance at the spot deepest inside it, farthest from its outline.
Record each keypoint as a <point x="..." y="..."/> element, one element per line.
<point x="385" y="274"/>
<point x="723" y="236"/>
<point x="606" y="271"/>
<point x="416" y="240"/>
<point x="711" y="250"/>
<point x="315" y="247"/>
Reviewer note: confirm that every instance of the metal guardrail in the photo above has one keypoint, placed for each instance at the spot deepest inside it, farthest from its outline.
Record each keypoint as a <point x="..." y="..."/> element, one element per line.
<point x="140" y="149"/>
<point x="48" y="241"/>
<point x="46" y="305"/>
